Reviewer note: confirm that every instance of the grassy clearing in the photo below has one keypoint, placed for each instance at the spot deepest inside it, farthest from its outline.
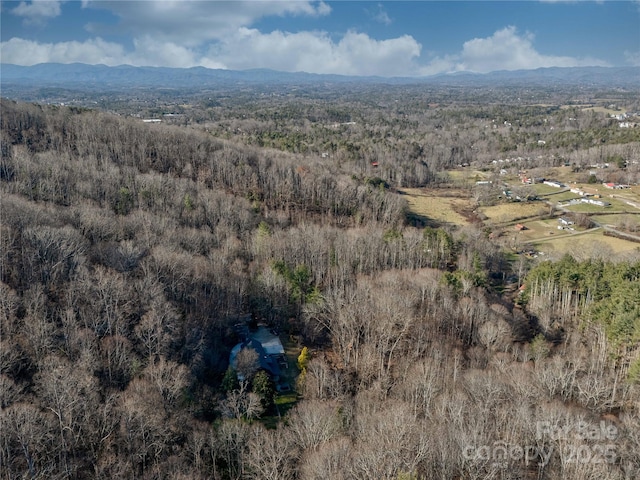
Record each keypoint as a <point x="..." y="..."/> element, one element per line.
<point x="285" y="402"/>
<point x="589" y="208"/>
<point x="563" y="197"/>
<point x="436" y="206"/>
<point x="631" y="195"/>
<point x="624" y="219"/>
<point x="539" y="229"/>
<point x="562" y="174"/>
<point x="544" y="235"/>
<point x="286" y="398"/>
<point x="547" y="190"/>
<point x="608" y="111"/>
<point x="466" y="178"/>
<point x="511" y="212"/>
<point x="588" y="245"/>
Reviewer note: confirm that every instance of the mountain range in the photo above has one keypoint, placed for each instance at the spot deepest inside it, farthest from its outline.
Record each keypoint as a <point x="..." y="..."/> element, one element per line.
<point x="84" y="76"/>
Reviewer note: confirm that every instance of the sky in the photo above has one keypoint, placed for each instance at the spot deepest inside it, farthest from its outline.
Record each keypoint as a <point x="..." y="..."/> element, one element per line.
<point x="385" y="38"/>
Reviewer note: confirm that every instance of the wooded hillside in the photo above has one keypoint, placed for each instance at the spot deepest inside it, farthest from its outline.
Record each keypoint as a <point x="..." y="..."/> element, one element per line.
<point x="132" y="251"/>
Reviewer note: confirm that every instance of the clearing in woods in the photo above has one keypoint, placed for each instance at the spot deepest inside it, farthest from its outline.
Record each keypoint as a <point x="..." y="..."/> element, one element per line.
<point x="440" y="207"/>
<point x="505" y="213"/>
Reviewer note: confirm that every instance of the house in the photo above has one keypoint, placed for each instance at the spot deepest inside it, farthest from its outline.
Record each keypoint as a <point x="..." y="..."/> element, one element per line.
<point x="268" y="340"/>
<point x="565" y="221"/>
<point x="615" y="186"/>
<point x="595" y="201"/>
<point x="553" y="183"/>
<point x="269" y="349"/>
<point x="520" y="227"/>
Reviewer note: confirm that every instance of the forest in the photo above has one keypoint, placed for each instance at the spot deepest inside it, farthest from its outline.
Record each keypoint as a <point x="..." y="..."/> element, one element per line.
<point x="134" y="255"/>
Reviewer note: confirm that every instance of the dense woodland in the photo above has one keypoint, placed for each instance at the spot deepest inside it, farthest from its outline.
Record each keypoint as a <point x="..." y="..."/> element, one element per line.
<point x="131" y="251"/>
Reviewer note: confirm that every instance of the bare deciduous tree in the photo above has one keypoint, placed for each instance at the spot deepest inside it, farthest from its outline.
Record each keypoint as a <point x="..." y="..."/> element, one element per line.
<point x="270" y="454"/>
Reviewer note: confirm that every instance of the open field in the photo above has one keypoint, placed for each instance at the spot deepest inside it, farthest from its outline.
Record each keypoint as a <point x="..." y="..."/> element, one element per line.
<point x="562" y="196"/>
<point x="440" y="206"/>
<point x="624" y="218"/>
<point x="608" y="111"/>
<point x="630" y="198"/>
<point x="546" y="190"/>
<point x="631" y="193"/>
<point x="445" y="206"/>
<point x="564" y="174"/>
<point x="513" y="211"/>
<point x="539" y="229"/>
<point x="593" y="244"/>
<point x="589" y="208"/>
<point x="545" y="236"/>
<point x="466" y="177"/>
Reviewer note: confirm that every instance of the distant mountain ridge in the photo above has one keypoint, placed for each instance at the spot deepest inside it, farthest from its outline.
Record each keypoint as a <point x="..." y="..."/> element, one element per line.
<point x="75" y="75"/>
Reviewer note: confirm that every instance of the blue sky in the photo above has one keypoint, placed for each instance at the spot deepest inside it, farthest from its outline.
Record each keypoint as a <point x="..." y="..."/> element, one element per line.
<point x="388" y="38"/>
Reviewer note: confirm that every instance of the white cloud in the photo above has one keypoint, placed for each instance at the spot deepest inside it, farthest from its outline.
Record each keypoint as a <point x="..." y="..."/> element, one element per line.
<point x="504" y="50"/>
<point x="322" y="9"/>
<point x="94" y="51"/>
<point x="37" y="11"/>
<point x="380" y="15"/>
<point x="147" y="52"/>
<point x="632" y="58"/>
<point x="315" y="52"/>
<point x="438" y="65"/>
<point x="354" y="53"/>
<point x="193" y="22"/>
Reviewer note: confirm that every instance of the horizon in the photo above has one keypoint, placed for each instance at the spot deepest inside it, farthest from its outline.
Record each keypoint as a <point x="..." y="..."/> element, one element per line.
<point x="382" y="39"/>
<point x="270" y="70"/>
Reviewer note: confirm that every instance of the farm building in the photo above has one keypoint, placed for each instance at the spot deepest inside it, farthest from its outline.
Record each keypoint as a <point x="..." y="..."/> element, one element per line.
<point x="615" y="186"/>
<point x="594" y="201"/>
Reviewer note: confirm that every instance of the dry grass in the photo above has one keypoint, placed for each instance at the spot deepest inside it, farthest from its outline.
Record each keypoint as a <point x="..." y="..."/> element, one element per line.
<point x="436" y="205"/>
<point x="467" y="174"/>
<point x="588" y="245"/>
<point x="589" y="208"/>
<point x="540" y="230"/>
<point x="608" y="111"/>
<point x="444" y="206"/>
<point x="547" y="190"/>
<point x="510" y="212"/>
<point x="625" y="218"/>
<point x="544" y="236"/>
